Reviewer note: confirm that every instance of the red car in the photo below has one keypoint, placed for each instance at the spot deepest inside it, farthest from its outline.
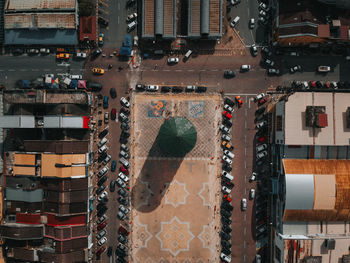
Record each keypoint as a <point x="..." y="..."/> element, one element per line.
<point x="100" y="251"/>
<point x="102" y="225"/>
<point x="124" y="170"/>
<point x="262" y="139"/>
<point x="228" y="198"/>
<point x="262" y="101"/>
<point x="239" y="101"/>
<point x="113" y="114"/>
<point x="227" y="115"/>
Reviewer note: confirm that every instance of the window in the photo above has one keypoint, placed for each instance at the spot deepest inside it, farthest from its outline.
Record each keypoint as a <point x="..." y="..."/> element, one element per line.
<point x="279" y="123"/>
<point x="277" y="254"/>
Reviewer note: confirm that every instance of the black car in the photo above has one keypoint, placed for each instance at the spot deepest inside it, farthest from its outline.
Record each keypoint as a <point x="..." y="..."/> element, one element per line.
<point x="319" y="84"/>
<point x="165" y="89"/>
<point x="102" y="211"/>
<point x="177" y="89"/>
<point x="229" y="102"/>
<point x="112" y="186"/>
<point x="123" y="192"/>
<point x="226" y="167"/>
<point x="124" y="126"/>
<point x="140" y="87"/>
<point x="100" y="189"/>
<point x="123" y="140"/>
<point x="121" y="260"/>
<point x="122" y="201"/>
<point x="225" y="236"/>
<point x="96" y="53"/>
<point x="120" y="253"/>
<point x="125" y="134"/>
<point x="200" y="89"/>
<point x="262" y="131"/>
<point x="260" y="111"/>
<point x="109" y="251"/>
<point x="100" y="206"/>
<point x="260" y="118"/>
<point x="103" y="201"/>
<point x="228" y="74"/>
<point x="226" y="251"/>
<point x="102" y="21"/>
<point x="225" y="213"/>
<point x="123" y="239"/>
<point x="102" y="180"/>
<point x="226" y="220"/>
<point x="123" y="247"/>
<point x="103" y="133"/>
<point x="102" y="156"/>
<point x="226" y="244"/>
<point x="17" y="52"/>
<point x="125" y="110"/>
<point x="226" y="229"/>
<point x="226" y="206"/>
<point x="227" y="183"/>
<point x="113" y="93"/>
<point x="227" y="123"/>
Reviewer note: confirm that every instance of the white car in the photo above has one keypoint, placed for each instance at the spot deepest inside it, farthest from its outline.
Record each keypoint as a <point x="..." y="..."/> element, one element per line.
<point x="173" y="60"/>
<point x="124" y="154"/>
<point x="273" y="71"/>
<point x="101" y="219"/>
<point x="227" y="175"/>
<point x="49" y="75"/>
<point x="102" y="241"/>
<point x="261" y="155"/>
<point x="261" y="124"/>
<point x="245" y="67"/>
<point x="254" y="50"/>
<point x="123" y="117"/>
<point x="102" y="149"/>
<point x="80" y="55"/>
<point x="225" y="258"/>
<point x="259" y="96"/>
<point x="295" y="68"/>
<point x="262" y="13"/>
<point x="252" y="23"/>
<point x="125" y="102"/>
<point x="262" y="19"/>
<point x="224" y="129"/>
<point x="229" y="154"/>
<point x="263" y="6"/>
<point x="44" y="51"/>
<point x="228" y="108"/>
<point x="226" y="190"/>
<point x="253" y="177"/>
<point x="123" y="176"/>
<point x="103" y="195"/>
<point x="235" y="21"/>
<point x="252" y="193"/>
<point x="244" y="204"/>
<point x="152" y="88"/>
<point x="235" y="2"/>
<point x="261" y="147"/>
<point x="136" y="41"/>
<point x="131" y="17"/>
<point x="269" y="62"/>
<point x="124" y="209"/>
<point x="103" y="171"/>
<point x="226" y="159"/>
<point x="225" y="137"/>
<point x="76" y="77"/>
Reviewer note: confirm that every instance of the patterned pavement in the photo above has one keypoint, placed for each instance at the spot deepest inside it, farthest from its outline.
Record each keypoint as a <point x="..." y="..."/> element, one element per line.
<point x="174" y="216"/>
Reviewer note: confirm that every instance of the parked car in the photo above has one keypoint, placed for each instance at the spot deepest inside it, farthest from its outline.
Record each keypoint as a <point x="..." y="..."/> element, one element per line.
<point x="121" y="216"/>
<point x="101" y="39"/>
<point x="225" y="213"/>
<point x="254" y="50"/>
<point x="259" y="96"/>
<point x="120" y="183"/>
<point x="123" y="239"/>
<point x="252" y="193"/>
<point x="229" y="102"/>
<point x="124" y="177"/>
<point x="225" y="236"/>
<point x="80" y="55"/>
<point x="229" y="154"/>
<point x="124" y="102"/>
<point x="105" y="102"/>
<point x="100" y="189"/>
<point x="269" y="62"/>
<point x="140" y="87"/>
<point x="225" y="258"/>
<point x="106" y="117"/>
<point x="101" y="234"/>
<point x="112" y="186"/>
<point x="245" y="68"/>
<point x="131" y="17"/>
<point x="224" y="129"/>
<point x="273" y="71"/>
<point x="152" y="88"/>
<point x="225" y="137"/>
<point x="107" y="159"/>
<point x="98" y="71"/>
<point x="295" y="69"/>
<point x="165" y="89"/>
<point x="225" y="189"/>
<point x="227" y="123"/>
<point x="124" y="209"/>
<point x="261" y="147"/>
<point x="261" y="124"/>
<point x="173" y="60"/>
<point x="103" y="171"/>
<point x="190" y="88"/>
<point x="253" y="177"/>
<point x="102" y="21"/>
<point x="227" y="115"/>
<point x="44" y="51"/>
<point x="123" y="192"/>
<point x="102" y="225"/>
<point x="102" y="181"/>
<point x="113" y="114"/>
<point x="235" y="21"/>
<point x="226" y="145"/>
<point x="201" y="89"/>
<point x="226" y="167"/>
<point x="228" y="108"/>
<point x="177" y="89"/>
<point x="244" y="204"/>
<point x="261" y="155"/>
<point x="122" y="200"/>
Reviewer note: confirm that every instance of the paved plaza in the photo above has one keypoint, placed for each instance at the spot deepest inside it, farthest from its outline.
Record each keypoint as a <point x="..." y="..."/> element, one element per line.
<point x="175" y="201"/>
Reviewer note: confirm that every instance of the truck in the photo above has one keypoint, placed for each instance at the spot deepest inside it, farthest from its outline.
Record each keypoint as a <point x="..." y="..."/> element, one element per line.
<point x="324" y="69"/>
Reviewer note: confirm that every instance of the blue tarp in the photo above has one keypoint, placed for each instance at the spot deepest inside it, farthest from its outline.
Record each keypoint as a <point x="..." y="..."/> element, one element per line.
<point x="127" y="41"/>
<point x="73" y="84"/>
<point x="41" y="37"/>
<point x="125" y="51"/>
<point x="25" y="84"/>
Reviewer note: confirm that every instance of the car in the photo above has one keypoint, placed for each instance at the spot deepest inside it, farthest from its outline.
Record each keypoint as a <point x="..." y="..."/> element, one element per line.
<point x="225" y="236"/>
<point x="225" y="213"/>
<point x="124" y="162"/>
<point x="123" y="176"/>
<point x="165" y="89"/>
<point x="201" y="89"/>
<point x="102" y="180"/>
<point x="239" y="101"/>
<point x="259" y="96"/>
<point x="101" y="219"/>
<point x="123" y="192"/>
<point x="113" y="93"/>
<point x="102" y="21"/>
<point x="269" y="62"/>
<point x="229" y="102"/>
<point x="235" y="2"/>
<point x="258" y="258"/>
<point x="252" y="193"/>
<point x="96" y="53"/>
<point x="122" y="200"/>
<point x="103" y="171"/>
<point x="101" y="226"/>
<point x="227" y="198"/>
<point x="261" y="147"/>
<point x="124" y="170"/>
<point x="98" y="71"/>
<point x="107" y="159"/>
<point x="17" y="51"/>
<point x="124" y="209"/>
<point x="227" y="122"/>
<point x="228" y="74"/>
<point x="225" y="258"/>
<point x="295" y="69"/>
<point x="44" y="51"/>
<point x="244" y="204"/>
<point x="102" y="241"/>
<point x="131" y="17"/>
<point x="177" y="89"/>
<point x="225" y="137"/>
<point x="125" y="135"/>
<point x="123" y="154"/>
<point x="120" y="183"/>
<point x="226" y="220"/>
<point x="103" y="195"/>
<point x="234" y="21"/>
<point x="228" y="108"/>
<point x="227" y="115"/>
<point x="261" y="155"/>
<point x="124" y="102"/>
<point x="253" y="177"/>
<point x="251" y="23"/>
<point x="123" y="117"/>
<point x="101" y="234"/>
<point x="109" y="251"/>
<point x="152" y="88"/>
<point x="224" y="129"/>
<point x="123" y="239"/>
<point x="100" y="189"/>
<point x="245" y="68"/>
<point x="226" y="206"/>
<point x="105" y="102"/>
<point x="102" y="211"/>
<point x="262" y="6"/>
<point x="262" y="12"/>
<point x="106" y="117"/>
<point x="62" y="56"/>
<point x="273" y="71"/>
<point x="225" y="243"/>
<point x="262" y="20"/>
<point x="190" y="88"/>
<point x="102" y="149"/>
<point x="112" y="186"/>
<point x="80" y="55"/>
<point x="121" y="216"/>
<point x="113" y="114"/>
<point x="140" y="87"/>
<point x="100" y="39"/>
<point x="226" y="145"/>
<point x="173" y="60"/>
<point x="254" y="50"/>
<point x="226" y="167"/>
<point x="125" y="110"/>
<point x="266" y="51"/>
<point x="225" y="189"/>
<point x="260" y="111"/>
<point x="261" y="124"/>
<point x="229" y="154"/>
<point x="124" y="126"/>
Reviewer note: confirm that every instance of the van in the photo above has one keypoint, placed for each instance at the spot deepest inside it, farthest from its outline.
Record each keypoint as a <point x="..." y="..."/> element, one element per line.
<point x="102" y="149"/>
<point x="102" y="142"/>
<point x="235" y="21"/>
<point x="188" y="54"/>
<point x="227" y="175"/>
<point x="132" y="25"/>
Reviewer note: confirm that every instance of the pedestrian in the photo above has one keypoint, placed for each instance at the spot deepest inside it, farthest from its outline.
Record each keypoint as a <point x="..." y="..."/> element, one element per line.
<point x="110" y="66"/>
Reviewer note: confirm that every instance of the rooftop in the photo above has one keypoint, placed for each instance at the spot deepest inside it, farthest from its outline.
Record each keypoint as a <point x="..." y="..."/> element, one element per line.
<point x="87" y="29"/>
<point x="16" y="5"/>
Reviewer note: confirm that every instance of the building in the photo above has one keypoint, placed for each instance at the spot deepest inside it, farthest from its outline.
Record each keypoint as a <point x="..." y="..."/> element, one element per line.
<point x="41" y="23"/>
<point x="310" y="23"/>
<point x="170" y="19"/>
<point x="87" y="29"/>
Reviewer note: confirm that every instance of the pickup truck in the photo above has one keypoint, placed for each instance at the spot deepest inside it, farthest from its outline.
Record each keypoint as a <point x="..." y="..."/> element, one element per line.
<point x="324" y="69"/>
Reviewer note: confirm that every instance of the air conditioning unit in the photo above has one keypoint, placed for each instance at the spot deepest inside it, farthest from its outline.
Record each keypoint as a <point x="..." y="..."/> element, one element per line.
<point x="329" y="244"/>
<point x="316" y="116"/>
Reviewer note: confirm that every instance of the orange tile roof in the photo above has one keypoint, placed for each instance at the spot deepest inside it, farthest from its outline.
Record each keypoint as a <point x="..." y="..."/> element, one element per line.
<point x="24" y="159"/>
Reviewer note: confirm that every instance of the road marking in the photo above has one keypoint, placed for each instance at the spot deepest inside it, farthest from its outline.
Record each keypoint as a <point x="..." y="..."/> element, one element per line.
<point x="245" y="216"/>
<point x="202" y="70"/>
<point x="35" y="69"/>
<point x="190" y="70"/>
<point x="23" y="69"/>
<point x="244" y="246"/>
<point x="245" y="192"/>
<point x="239" y="94"/>
<point x="245" y="231"/>
<point x="118" y="20"/>
<point x="118" y="9"/>
<point x="214" y="70"/>
<point x="178" y="70"/>
<point x="244" y="257"/>
<point x="11" y="70"/>
<point x="166" y="69"/>
<point x="2" y="70"/>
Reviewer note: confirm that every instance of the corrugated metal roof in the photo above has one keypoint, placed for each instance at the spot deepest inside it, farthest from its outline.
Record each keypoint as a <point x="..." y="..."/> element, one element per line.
<point x="39" y="4"/>
<point x="13" y="194"/>
<point x="148" y="18"/>
<point x="48" y="168"/>
<point x="215" y="18"/>
<point x="17" y="121"/>
<point x="323" y="31"/>
<point x="341" y="170"/>
<point x="24" y="159"/>
<point x="299" y="191"/>
<point x="40" y="20"/>
<point x="169" y="22"/>
<point x="159" y="17"/>
<point x="205" y="16"/>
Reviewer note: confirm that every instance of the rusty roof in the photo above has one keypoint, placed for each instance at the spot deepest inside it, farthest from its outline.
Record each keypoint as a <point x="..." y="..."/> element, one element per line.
<point x="323" y="31"/>
<point x="40" y="20"/>
<point x="340" y="210"/>
<point x="12" y="5"/>
<point x="169" y="18"/>
<point x="148" y="18"/>
<point x="214" y="17"/>
<point x="195" y="17"/>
